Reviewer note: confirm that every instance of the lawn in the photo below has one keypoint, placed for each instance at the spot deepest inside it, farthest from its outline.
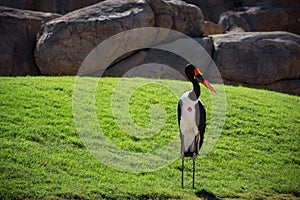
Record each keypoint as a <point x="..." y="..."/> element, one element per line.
<point x="45" y="152"/>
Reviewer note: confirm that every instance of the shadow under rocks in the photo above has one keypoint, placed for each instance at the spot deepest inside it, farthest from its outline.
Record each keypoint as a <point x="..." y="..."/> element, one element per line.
<point x="206" y="195"/>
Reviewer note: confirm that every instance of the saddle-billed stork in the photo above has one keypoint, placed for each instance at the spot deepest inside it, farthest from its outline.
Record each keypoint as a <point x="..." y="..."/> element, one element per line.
<point x="192" y="117"/>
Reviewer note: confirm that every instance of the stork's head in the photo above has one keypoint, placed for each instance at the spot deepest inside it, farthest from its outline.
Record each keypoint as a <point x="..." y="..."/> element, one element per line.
<point x="193" y="73"/>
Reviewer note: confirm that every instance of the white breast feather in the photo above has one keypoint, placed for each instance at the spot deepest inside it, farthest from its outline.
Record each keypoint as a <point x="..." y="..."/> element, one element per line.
<point x="188" y="125"/>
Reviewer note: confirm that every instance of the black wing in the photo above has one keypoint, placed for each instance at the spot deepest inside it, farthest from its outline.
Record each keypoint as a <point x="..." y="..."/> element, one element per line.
<point x="201" y="123"/>
<point x="179" y="112"/>
<point x="179" y="118"/>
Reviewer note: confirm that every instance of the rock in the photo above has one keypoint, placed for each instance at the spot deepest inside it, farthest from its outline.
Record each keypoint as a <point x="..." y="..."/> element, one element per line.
<point x="255" y="19"/>
<point x="210" y="28"/>
<point x="177" y="15"/>
<point x="156" y="63"/>
<point x="152" y="63"/>
<point x="155" y="71"/>
<point x="18" y="39"/>
<point x="264" y="16"/>
<point x="212" y="9"/>
<point x="271" y="3"/>
<point x="123" y="66"/>
<point x="162" y="64"/>
<point x="54" y="6"/>
<point x="64" y="42"/>
<point x="285" y="86"/>
<point x="206" y="43"/>
<point x="260" y="59"/>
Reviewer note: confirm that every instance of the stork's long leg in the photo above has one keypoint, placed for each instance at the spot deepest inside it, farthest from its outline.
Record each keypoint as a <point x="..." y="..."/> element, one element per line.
<point x="193" y="174"/>
<point x="194" y="159"/>
<point x="182" y="170"/>
<point x="182" y="158"/>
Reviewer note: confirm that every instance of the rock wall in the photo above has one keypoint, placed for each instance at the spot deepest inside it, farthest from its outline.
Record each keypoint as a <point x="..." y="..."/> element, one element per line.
<point x="254" y="43"/>
<point x="65" y="42"/>
<point x="157" y="62"/>
<point x="212" y="9"/>
<point x="18" y="40"/>
<point x="259" y="59"/>
<point x="53" y="6"/>
<point x="263" y="18"/>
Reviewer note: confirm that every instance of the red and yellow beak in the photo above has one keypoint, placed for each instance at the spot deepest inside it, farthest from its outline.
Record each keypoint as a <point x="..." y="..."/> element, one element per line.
<point x="208" y="85"/>
<point x="198" y="76"/>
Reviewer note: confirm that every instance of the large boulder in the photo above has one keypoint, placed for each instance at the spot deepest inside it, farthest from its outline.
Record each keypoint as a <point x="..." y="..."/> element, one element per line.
<point x="270" y="3"/>
<point x="254" y="19"/>
<point x="210" y="28"/>
<point x="212" y="9"/>
<point x="259" y="59"/>
<point x="177" y="15"/>
<point x="264" y="16"/>
<point x="18" y="38"/>
<point x="156" y="63"/>
<point x="54" y="6"/>
<point x="64" y="42"/>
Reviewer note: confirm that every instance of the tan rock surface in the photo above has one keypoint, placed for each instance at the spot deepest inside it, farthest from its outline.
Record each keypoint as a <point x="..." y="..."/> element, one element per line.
<point x="18" y="38"/>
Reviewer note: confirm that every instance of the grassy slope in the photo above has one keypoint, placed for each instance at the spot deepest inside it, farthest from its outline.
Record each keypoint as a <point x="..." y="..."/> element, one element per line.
<point x="257" y="155"/>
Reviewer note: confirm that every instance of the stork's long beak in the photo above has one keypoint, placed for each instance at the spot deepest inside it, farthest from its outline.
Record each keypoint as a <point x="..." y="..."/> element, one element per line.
<point x="208" y="85"/>
<point x="201" y="79"/>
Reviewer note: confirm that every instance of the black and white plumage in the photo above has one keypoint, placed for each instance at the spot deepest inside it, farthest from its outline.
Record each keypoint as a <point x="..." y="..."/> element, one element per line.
<point x="192" y="117"/>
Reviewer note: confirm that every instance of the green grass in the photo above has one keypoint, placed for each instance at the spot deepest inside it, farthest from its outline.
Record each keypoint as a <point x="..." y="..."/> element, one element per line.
<point x="43" y="157"/>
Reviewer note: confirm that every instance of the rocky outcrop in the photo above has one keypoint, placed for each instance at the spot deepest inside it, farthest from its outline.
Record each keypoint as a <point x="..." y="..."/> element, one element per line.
<point x="64" y="43"/>
<point x="18" y="38"/>
<point x="156" y="63"/>
<point x="259" y="59"/>
<point x="212" y="9"/>
<point x="177" y="15"/>
<point x="54" y="6"/>
<point x="255" y="19"/>
<point x="250" y="57"/>
<point x="268" y="3"/>
<point x="264" y="16"/>
<point x="283" y="86"/>
<point x="267" y="60"/>
<point x="210" y="28"/>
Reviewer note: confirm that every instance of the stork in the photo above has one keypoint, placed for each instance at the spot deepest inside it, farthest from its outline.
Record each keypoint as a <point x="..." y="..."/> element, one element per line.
<point x="192" y="118"/>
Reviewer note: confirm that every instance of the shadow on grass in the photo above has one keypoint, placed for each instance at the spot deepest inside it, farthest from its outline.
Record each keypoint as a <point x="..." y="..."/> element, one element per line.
<point x="206" y="195"/>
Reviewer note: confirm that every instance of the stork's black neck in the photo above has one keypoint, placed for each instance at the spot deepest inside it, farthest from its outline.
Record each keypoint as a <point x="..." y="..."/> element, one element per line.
<point x="195" y="93"/>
